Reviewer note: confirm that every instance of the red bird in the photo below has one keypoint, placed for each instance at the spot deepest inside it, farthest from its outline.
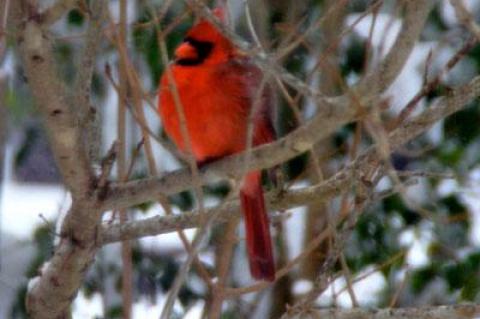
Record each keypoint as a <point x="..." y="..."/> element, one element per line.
<point x="217" y="87"/>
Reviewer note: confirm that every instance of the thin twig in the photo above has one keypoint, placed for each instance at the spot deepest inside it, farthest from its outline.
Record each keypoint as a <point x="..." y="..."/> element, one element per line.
<point x="127" y="267"/>
<point x="201" y="233"/>
<point x="433" y="83"/>
<point x="57" y="11"/>
<point x="331" y="187"/>
<point x="465" y="17"/>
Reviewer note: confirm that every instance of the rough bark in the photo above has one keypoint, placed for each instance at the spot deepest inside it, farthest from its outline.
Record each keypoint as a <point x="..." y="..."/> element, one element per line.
<point x="440" y="312"/>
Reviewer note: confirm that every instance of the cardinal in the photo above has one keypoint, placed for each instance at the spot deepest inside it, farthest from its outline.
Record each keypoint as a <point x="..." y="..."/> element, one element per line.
<point x="217" y="87"/>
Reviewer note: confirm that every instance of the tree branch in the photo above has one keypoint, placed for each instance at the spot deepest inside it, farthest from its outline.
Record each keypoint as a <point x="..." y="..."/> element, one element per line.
<point x="334" y="113"/>
<point x="51" y="293"/>
<point x="340" y="182"/>
<point x="439" y="312"/>
<point x="87" y="115"/>
<point x="416" y="13"/>
<point x="331" y="117"/>
<point x="381" y="77"/>
<point x="52" y="100"/>
<point x="166" y="224"/>
<point x="465" y="17"/>
<point x="56" y="11"/>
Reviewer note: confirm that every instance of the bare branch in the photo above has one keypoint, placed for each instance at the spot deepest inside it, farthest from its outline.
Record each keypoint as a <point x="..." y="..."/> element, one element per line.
<point x="51" y="98"/>
<point x="334" y="113"/>
<point x="330" y="188"/>
<point x="127" y="265"/>
<point x="381" y="77"/>
<point x="264" y="61"/>
<point x="51" y="293"/>
<point x="330" y="118"/>
<point x="297" y="142"/>
<point x="433" y="83"/>
<point x="57" y="10"/>
<point x="465" y="17"/>
<point x="439" y="312"/>
<point x="87" y="115"/>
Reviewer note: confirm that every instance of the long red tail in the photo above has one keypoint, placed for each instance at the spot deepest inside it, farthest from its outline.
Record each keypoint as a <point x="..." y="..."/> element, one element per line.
<point x="259" y="242"/>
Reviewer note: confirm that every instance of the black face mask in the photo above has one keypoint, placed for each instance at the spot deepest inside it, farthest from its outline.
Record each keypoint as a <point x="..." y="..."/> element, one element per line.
<point x="203" y="48"/>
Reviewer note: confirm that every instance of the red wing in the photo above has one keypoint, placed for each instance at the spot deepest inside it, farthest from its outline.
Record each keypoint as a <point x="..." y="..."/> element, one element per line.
<point x="246" y="80"/>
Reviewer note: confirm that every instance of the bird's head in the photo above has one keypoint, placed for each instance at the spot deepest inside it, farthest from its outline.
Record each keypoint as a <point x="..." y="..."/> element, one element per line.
<point x="205" y="44"/>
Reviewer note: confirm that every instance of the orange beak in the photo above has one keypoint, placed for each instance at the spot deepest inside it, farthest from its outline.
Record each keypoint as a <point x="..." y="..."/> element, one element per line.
<point x="186" y="52"/>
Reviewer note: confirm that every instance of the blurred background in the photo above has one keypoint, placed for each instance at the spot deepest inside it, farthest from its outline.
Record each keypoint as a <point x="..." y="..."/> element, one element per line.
<point x="418" y="248"/>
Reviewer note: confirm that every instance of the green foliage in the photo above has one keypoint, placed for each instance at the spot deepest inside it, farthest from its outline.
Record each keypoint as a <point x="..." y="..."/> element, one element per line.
<point x="450" y="154"/>
<point x="359" y="5"/>
<point x="114" y="312"/>
<point x="455" y="209"/>
<point x="438" y="91"/>
<point x="374" y="240"/>
<point x="353" y="61"/>
<point x="42" y="240"/>
<point x="395" y="205"/>
<point x="75" y="18"/>
<point x="454" y="232"/>
<point x="463" y="126"/>
<point x="183" y="200"/>
<point x="145" y="40"/>
<point x="19" y="103"/>
<point x="18" y="309"/>
<point x="421" y="277"/>
<point x="230" y="314"/>
<point x="156" y="273"/>
<point x="464" y="276"/>
<point x="470" y="291"/>
<point x="456" y="275"/>
<point x="144" y="207"/>
<point x="474" y="54"/>
<point x="31" y="135"/>
<point x="98" y="87"/>
<point x="436" y="20"/>
<point x="220" y="189"/>
<point x="286" y="122"/>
